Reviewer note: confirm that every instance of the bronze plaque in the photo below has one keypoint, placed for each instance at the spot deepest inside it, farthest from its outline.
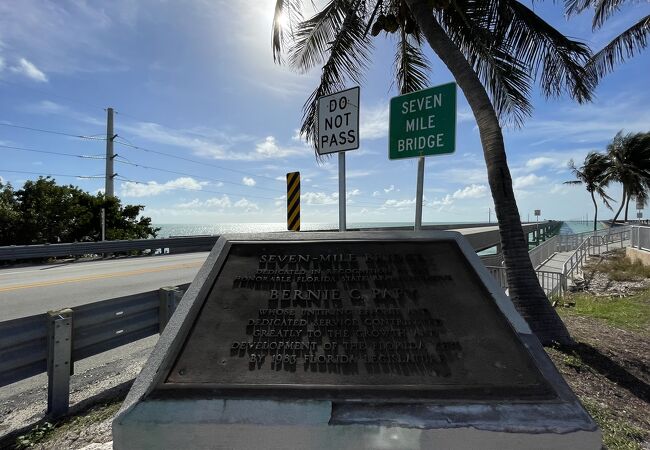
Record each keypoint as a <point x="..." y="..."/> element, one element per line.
<point x="385" y="320"/>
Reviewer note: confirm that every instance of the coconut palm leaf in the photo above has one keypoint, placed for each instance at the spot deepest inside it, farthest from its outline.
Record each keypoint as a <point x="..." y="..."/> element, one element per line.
<point x="557" y="60"/>
<point x="411" y="67"/>
<point x="623" y="46"/>
<point x="291" y="9"/>
<point x="313" y="36"/>
<point x="348" y="60"/>
<point x="604" y="10"/>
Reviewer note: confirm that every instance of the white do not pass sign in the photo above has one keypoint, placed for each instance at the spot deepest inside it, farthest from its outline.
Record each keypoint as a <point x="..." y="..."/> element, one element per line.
<point x="338" y="122"/>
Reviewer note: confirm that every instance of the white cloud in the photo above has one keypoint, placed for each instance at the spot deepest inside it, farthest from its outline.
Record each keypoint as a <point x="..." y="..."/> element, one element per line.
<point x="374" y="121"/>
<point x="543" y="161"/>
<point x="473" y="191"/>
<point x="247" y="205"/>
<point x="2" y="63"/>
<point x="269" y="148"/>
<point x="398" y="203"/>
<point x="248" y="181"/>
<point x="528" y="181"/>
<point x="319" y="198"/>
<point x="29" y="70"/>
<point x="376" y="194"/>
<point x="132" y="189"/>
<point x="390" y="188"/>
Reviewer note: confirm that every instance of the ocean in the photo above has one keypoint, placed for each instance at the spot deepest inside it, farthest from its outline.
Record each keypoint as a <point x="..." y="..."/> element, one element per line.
<point x="176" y="229"/>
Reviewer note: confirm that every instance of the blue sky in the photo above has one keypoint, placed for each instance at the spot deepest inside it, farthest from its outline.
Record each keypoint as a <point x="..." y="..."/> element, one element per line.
<point x="196" y="79"/>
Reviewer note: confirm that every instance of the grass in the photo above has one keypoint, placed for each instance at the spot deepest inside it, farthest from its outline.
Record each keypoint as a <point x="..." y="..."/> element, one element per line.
<point x="617" y="433"/>
<point x="618" y="267"/>
<point x="49" y="432"/>
<point x="629" y="313"/>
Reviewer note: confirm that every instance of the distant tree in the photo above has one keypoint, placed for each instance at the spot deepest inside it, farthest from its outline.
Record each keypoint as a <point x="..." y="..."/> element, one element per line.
<point x="495" y="49"/>
<point x="8" y="214"/>
<point x="626" y="45"/>
<point x="593" y="174"/>
<point x="629" y="164"/>
<point x="44" y="212"/>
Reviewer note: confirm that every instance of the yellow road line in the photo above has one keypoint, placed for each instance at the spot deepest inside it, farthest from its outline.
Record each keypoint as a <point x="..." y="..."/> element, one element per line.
<point x="98" y="277"/>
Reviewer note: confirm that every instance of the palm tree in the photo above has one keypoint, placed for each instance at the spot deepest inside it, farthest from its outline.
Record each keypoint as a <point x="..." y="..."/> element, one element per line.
<point x="593" y="174"/>
<point x="494" y="49"/>
<point x="625" y="45"/>
<point x="629" y="164"/>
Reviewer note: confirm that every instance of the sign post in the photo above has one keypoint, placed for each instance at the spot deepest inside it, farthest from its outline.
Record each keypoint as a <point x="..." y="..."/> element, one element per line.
<point x="422" y="123"/>
<point x="338" y="132"/>
<point x="293" y="201"/>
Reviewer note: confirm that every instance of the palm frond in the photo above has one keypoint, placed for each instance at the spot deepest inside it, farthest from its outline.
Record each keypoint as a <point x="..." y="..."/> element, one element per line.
<point x="411" y="65"/>
<point x="572" y="182"/>
<point x="292" y="11"/>
<point x="573" y="7"/>
<point x="314" y="35"/>
<point x="348" y="59"/>
<point x="604" y="9"/>
<point x="506" y="79"/>
<point x="625" y="45"/>
<point x="556" y="60"/>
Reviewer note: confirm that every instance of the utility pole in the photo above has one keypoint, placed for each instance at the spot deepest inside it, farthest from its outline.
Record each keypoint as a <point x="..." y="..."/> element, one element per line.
<point x="108" y="191"/>
<point x="110" y="174"/>
<point x="489" y="215"/>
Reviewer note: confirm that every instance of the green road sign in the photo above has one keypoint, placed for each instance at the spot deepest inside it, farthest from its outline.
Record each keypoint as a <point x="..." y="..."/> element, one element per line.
<point x="423" y="123"/>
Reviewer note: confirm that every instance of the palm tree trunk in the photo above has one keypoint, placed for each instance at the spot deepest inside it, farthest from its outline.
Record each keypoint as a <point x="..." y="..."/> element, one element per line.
<point x="525" y="291"/>
<point x="627" y="205"/>
<point x="620" y="208"/>
<point x="595" y="209"/>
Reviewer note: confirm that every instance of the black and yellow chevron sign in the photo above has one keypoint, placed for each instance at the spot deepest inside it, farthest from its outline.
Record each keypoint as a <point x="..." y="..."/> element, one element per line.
<point x="293" y="201"/>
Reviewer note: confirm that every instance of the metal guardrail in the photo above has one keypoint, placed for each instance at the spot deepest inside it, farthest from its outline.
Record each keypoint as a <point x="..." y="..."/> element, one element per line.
<point x="54" y="341"/>
<point x="593" y="245"/>
<point x="640" y="238"/>
<point x="544" y="251"/>
<point x="179" y="244"/>
<point x="553" y="283"/>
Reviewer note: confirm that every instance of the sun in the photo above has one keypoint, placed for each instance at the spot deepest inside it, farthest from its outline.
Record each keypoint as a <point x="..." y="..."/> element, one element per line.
<point x="283" y="21"/>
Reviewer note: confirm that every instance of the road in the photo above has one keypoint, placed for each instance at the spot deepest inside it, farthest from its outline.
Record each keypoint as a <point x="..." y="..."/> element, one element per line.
<point x="32" y="290"/>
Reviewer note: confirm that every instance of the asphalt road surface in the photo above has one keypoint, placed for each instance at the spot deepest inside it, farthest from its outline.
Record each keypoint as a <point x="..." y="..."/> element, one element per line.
<point x="25" y="291"/>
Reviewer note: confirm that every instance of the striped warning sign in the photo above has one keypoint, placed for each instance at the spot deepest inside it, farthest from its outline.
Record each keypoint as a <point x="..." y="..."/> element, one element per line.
<point x="293" y="201"/>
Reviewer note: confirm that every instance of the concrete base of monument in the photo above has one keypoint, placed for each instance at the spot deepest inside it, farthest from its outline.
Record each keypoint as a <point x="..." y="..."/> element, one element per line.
<point x="495" y="389"/>
<point x="250" y="424"/>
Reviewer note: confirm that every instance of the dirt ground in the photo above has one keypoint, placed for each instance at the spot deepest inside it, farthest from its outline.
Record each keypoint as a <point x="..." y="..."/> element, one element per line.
<point x="609" y="370"/>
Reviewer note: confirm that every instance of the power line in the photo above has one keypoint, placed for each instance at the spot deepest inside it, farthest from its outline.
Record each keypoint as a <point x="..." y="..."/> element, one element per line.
<point x="194" y="176"/>
<point x="193" y="190"/>
<point x="195" y="161"/>
<point x="61" y="133"/>
<point x="53" y="174"/>
<point x="52" y="152"/>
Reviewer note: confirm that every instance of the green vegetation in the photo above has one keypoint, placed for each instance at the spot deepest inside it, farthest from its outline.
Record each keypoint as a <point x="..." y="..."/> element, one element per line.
<point x="617" y="434"/>
<point x="58" y="433"/>
<point x="629" y="313"/>
<point x="620" y="268"/>
<point x="44" y="212"/>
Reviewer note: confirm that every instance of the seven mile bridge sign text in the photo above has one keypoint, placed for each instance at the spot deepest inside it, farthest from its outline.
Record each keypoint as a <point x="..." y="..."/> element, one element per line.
<point x="423" y="123"/>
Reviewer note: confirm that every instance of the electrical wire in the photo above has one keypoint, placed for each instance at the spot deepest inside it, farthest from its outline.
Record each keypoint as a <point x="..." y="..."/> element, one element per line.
<point x="61" y="133"/>
<point x="195" y="176"/>
<point x="51" y="152"/>
<point x="53" y="174"/>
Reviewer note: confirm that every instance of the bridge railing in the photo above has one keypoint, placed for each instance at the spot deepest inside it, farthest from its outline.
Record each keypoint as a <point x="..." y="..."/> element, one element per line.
<point x="184" y="244"/>
<point x="553" y="283"/>
<point x="54" y="341"/>
<point x="595" y="245"/>
<point x="640" y="238"/>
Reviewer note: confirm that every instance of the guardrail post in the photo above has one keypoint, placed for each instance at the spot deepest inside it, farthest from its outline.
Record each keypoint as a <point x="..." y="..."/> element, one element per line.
<point x="170" y="296"/>
<point x="59" y="361"/>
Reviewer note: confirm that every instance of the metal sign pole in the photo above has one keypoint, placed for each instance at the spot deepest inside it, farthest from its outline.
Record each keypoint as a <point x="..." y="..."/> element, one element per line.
<point x="419" y="194"/>
<point x="342" y="194"/>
